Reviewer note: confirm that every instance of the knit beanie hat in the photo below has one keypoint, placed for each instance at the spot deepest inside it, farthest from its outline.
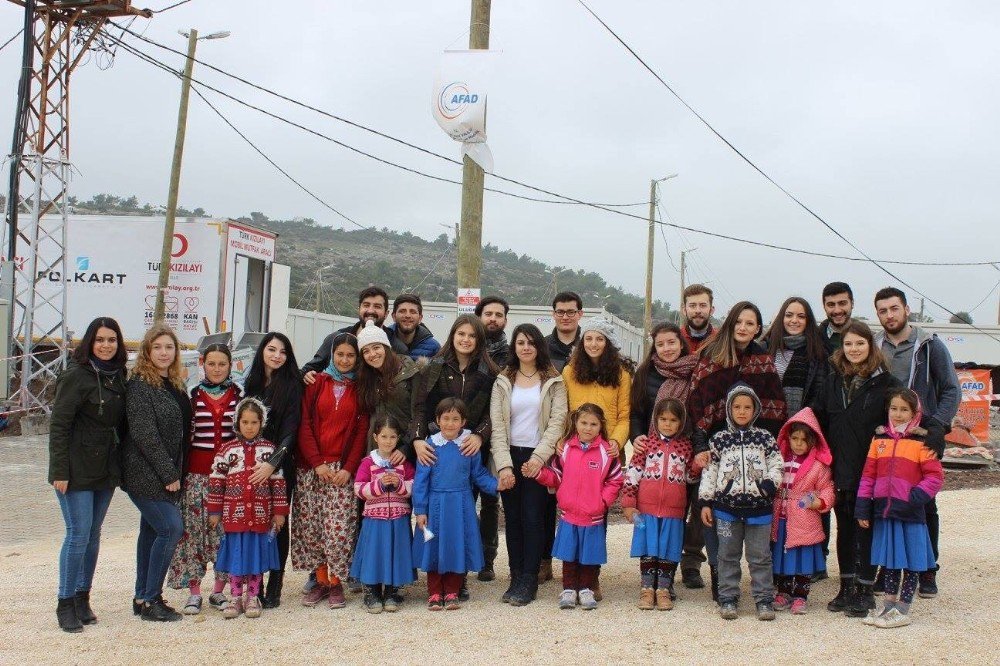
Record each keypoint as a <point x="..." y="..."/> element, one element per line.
<point x="602" y="326"/>
<point x="372" y="334"/>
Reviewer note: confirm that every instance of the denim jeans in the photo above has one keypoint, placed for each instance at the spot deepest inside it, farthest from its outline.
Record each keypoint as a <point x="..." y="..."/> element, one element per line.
<point x="160" y="528"/>
<point x="734" y="536"/>
<point x="83" y="511"/>
<point x="524" y="507"/>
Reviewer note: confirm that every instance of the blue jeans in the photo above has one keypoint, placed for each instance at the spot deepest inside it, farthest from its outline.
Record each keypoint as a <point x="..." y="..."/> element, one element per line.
<point x="160" y="528"/>
<point x="83" y="511"/>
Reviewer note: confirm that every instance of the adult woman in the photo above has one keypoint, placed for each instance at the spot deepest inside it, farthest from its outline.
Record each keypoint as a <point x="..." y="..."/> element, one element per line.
<point x="274" y="380"/>
<point x="331" y="446"/>
<point x="732" y="356"/>
<point x="385" y="383"/>
<point x="799" y="356"/>
<point x="666" y="373"/>
<point x="88" y="418"/>
<point x="851" y="404"/>
<point x="159" y="423"/>
<point x="528" y="411"/>
<point x="461" y="369"/>
<point x="597" y="373"/>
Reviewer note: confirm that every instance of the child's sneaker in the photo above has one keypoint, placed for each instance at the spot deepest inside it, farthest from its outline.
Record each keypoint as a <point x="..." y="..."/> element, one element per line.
<point x="434" y="603"/>
<point x="567" y="600"/>
<point x="798" y="606"/>
<point x="253" y="608"/>
<point x="218" y="601"/>
<point x="892" y="618"/>
<point x="728" y="610"/>
<point x="765" y="611"/>
<point x="354" y="586"/>
<point x="317" y="594"/>
<point x="393" y="599"/>
<point x="372" y="600"/>
<point x="336" y="599"/>
<point x="664" y="600"/>
<point x="782" y="602"/>
<point x="451" y="602"/>
<point x="647" y="599"/>
<point x="588" y="600"/>
<point x="193" y="605"/>
<point x="874" y="614"/>
<point x="234" y="609"/>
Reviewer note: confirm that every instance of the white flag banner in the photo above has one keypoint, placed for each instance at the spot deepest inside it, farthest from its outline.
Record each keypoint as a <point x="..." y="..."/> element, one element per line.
<point x="459" y="103"/>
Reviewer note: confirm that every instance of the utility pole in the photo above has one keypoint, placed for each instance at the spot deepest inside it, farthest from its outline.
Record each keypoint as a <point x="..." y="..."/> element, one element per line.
<point x="647" y="315"/>
<point x="470" y="250"/>
<point x="683" y="283"/>
<point x="175" y="177"/>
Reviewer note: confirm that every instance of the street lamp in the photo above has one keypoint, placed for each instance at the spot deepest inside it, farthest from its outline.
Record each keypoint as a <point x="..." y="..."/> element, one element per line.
<point x="647" y="319"/>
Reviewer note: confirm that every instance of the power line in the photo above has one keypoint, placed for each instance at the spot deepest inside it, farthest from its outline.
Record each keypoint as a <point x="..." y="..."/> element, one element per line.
<point x="169" y="7"/>
<point x="759" y="170"/>
<point x="990" y="293"/>
<point x="7" y="43"/>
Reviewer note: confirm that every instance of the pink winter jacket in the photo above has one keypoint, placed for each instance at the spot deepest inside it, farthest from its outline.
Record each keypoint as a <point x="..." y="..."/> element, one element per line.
<point x="803" y="527"/>
<point x="586" y="482"/>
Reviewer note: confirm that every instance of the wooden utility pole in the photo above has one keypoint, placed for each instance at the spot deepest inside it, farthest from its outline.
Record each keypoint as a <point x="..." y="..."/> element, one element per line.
<point x="175" y="177"/>
<point x="470" y="239"/>
<point x="647" y="318"/>
<point x="683" y="283"/>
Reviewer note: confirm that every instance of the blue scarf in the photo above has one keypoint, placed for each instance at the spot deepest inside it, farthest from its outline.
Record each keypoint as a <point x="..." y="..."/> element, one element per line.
<point x="342" y="377"/>
<point x="215" y="390"/>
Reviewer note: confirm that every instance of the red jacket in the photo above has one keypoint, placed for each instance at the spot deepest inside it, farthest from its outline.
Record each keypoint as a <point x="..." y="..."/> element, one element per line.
<point x="656" y="481"/>
<point x="245" y="507"/>
<point x="331" y="431"/>
<point x="803" y="526"/>
<point x="587" y="482"/>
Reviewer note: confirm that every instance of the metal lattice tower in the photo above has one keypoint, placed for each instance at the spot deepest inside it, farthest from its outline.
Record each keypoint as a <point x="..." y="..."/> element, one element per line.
<point x="61" y="32"/>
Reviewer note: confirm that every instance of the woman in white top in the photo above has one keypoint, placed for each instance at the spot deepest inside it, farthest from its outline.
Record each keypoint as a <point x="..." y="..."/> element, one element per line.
<point x="528" y="411"/>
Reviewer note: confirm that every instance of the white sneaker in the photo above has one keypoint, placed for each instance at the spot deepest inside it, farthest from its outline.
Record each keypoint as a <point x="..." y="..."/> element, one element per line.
<point x="893" y="618"/>
<point x="874" y="614"/>
<point x="193" y="605"/>
<point x="567" y="600"/>
<point x="587" y="600"/>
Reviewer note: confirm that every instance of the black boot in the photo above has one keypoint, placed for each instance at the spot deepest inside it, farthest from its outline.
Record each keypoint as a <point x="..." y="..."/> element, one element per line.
<point x="515" y="574"/>
<point x="861" y="602"/>
<point x="83" y="609"/>
<point x="714" y="571"/>
<point x="272" y="595"/>
<point x="525" y="590"/>
<point x="486" y="574"/>
<point x="839" y="603"/>
<point x="66" y="614"/>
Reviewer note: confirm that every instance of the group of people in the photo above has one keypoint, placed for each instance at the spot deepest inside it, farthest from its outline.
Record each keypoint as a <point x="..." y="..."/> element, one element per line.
<point x="742" y="440"/>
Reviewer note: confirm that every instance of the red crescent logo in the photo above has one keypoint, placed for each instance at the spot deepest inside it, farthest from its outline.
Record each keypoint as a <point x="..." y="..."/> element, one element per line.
<point x="184" y="246"/>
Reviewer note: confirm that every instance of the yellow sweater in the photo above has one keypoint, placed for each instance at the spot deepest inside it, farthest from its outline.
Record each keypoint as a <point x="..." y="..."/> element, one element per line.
<point x="614" y="400"/>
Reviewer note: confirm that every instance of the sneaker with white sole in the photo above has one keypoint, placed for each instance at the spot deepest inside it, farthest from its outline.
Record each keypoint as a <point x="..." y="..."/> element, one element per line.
<point x="891" y="619"/>
<point x="193" y="605"/>
<point x="252" y="608"/>
<point x="874" y="614"/>
<point x="567" y="600"/>
<point x="587" y="600"/>
<point x="218" y="601"/>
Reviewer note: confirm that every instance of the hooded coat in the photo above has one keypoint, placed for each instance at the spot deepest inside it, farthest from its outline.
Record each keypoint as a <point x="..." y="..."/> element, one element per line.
<point x="803" y="526"/>
<point x="745" y="467"/>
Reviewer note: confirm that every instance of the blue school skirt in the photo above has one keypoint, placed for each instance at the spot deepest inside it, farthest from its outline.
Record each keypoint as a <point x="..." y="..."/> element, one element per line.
<point x="583" y="545"/>
<point x="900" y="545"/>
<point x="662" y="538"/>
<point x="247" y="554"/>
<point x="383" y="555"/>
<point x="798" y="561"/>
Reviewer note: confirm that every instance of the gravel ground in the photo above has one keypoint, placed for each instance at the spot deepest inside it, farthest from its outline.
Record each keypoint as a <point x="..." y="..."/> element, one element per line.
<point x="955" y="627"/>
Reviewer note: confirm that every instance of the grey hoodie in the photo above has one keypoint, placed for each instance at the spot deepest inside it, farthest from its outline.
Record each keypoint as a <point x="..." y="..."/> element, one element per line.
<point x="932" y="378"/>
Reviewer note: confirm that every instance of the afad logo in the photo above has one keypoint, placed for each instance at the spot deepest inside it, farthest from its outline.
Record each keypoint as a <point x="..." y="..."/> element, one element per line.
<point x="177" y="250"/>
<point x="454" y="99"/>
<point x="83" y="275"/>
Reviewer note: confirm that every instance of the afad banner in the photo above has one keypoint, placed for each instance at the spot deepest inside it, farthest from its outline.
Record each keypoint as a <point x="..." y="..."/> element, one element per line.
<point x="975" y="410"/>
<point x="459" y="101"/>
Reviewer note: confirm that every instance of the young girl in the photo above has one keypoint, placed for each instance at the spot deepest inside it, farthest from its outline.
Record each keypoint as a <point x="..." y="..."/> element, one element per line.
<point x="447" y="544"/>
<point x="900" y="477"/>
<point x="797" y="528"/>
<point x="655" y="499"/>
<point x="587" y="479"/>
<point x="250" y="514"/>
<point x="738" y="489"/>
<point x="382" y="560"/>
<point x="214" y="404"/>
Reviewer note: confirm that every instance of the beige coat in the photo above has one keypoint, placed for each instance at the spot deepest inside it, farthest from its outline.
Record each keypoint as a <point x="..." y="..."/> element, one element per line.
<point x="550" y="425"/>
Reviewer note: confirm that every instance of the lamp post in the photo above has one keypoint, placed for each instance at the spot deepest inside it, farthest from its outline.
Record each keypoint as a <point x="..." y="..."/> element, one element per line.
<point x="647" y="319"/>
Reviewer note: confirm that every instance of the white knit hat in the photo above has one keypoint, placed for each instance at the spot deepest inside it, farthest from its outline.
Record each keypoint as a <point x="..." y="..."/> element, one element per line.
<point x="372" y="334"/>
<point x="602" y="326"/>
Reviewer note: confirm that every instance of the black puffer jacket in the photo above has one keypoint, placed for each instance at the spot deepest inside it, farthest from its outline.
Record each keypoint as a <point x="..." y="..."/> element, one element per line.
<point x="153" y="454"/>
<point x="86" y="429"/>
<point x="439" y="380"/>
<point x="849" y="425"/>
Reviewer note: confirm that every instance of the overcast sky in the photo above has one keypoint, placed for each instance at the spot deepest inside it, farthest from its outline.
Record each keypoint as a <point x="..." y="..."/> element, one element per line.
<point x="880" y="116"/>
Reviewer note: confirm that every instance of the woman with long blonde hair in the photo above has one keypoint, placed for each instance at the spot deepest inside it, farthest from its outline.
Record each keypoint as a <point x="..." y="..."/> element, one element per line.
<point x="159" y="414"/>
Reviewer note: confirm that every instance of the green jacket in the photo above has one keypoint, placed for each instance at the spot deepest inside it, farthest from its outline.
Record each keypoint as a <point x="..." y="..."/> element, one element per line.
<point x="397" y="405"/>
<point x="88" y="421"/>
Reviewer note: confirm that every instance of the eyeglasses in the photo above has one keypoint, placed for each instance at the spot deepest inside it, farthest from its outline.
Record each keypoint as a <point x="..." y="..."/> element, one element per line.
<point x="562" y="314"/>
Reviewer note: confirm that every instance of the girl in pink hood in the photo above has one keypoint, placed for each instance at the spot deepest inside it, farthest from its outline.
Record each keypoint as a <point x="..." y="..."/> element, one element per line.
<point x="806" y="491"/>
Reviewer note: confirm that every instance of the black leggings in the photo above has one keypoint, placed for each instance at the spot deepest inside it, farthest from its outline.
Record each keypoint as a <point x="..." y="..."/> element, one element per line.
<point x="854" y="543"/>
<point x="524" y="508"/>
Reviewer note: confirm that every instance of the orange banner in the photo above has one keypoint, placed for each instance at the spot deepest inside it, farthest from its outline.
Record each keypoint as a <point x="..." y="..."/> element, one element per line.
<point x="975" y="414"/>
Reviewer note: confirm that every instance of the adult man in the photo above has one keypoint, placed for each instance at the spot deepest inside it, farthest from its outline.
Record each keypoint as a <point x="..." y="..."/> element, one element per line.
<point x="493" y="310"/>
<point x="838" y="303"/>
<point x="567" y="310"/>
<point x="698" y="310"/>
<point x="408" y="329"/>
<point x="373" y="304"/>
<point x="922" y="362"/>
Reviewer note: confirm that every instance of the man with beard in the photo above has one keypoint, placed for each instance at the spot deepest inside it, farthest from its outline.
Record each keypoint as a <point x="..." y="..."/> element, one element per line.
<point x="567" y="310"/>
<point x="838" y="303"/>
<point x="698" y="309"/>
<point x="408" y="315"/>
<point x="493" y="310"/>
<point x="922" y="362"/>
<point x="373" y="304"/>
